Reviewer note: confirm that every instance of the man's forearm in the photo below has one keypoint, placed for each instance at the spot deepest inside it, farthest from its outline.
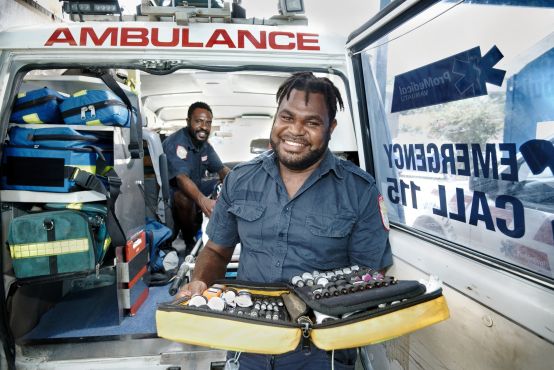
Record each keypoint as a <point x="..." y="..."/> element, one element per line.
<point x="187" y="186"/>
<point x="211" y="264"/>
<point x="223" y="172"/>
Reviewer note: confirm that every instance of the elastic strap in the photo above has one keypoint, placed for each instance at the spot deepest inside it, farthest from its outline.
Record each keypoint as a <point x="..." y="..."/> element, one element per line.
<point x="135" y="143"/>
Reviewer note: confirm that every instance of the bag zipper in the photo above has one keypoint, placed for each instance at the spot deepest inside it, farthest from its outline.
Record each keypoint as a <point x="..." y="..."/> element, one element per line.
<point x="63" y="137"/>
<point x="34" y="102"/>
<point x="306" y="325"/>
<point x="87" y="149"/>
<point x="96" y="106"/>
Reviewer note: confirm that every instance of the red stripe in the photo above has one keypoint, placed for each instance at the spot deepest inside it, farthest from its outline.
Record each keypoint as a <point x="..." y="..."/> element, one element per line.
<point x="137" y="277"/>
<point x="134" y="308"/>
<point x="132" y="250"/>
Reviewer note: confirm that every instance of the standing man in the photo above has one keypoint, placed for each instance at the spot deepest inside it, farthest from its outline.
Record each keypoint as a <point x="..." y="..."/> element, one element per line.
<point x="294" y="209"/>
<point x="190" y="157"/>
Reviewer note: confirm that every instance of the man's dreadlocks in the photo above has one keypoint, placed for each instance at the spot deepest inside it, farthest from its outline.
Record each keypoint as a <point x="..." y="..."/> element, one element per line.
<point x="306" y="81"/>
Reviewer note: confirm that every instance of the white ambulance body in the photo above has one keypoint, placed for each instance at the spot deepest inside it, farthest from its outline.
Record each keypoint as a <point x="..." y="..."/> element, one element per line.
<point x="499" y="287"/>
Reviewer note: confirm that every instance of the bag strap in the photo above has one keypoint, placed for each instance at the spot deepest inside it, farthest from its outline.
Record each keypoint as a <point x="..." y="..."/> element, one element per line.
<point x="91" y="181"/>
<point x="135" y="144"/>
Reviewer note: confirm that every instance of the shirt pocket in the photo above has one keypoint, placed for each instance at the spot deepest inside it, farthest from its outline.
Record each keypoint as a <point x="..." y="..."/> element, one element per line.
<point x="327" y="239"/>
<point x="249" y="223"/>
<point x="330" y="226"/>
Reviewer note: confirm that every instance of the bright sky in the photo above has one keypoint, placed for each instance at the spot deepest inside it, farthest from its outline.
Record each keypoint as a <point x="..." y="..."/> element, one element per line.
<point x="340" y="16"/>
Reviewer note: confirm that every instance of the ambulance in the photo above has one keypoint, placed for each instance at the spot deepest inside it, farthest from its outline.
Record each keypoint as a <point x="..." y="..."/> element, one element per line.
<point x="448" y="104"/>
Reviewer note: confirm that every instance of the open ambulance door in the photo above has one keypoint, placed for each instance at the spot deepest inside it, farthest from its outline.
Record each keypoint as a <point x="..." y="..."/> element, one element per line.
<point x="454" y="118"/>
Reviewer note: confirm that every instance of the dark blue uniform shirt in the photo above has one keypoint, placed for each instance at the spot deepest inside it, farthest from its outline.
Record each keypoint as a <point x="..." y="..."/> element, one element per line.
<point x="183" y="157"/>
<point x="334" y="220"/>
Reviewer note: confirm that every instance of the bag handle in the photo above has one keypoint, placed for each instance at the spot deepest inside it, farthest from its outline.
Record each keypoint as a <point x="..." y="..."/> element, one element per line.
<point x="135" y="144"/>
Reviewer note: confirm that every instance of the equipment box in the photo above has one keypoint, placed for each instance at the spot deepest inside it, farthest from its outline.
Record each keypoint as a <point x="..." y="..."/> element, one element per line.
<point x="280" y="317"/>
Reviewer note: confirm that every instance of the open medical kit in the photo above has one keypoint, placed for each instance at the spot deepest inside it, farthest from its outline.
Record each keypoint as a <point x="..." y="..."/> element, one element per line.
<point x="338" y="309"/>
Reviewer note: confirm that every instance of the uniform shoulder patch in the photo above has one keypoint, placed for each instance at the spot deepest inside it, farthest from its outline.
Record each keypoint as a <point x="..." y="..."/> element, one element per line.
<point x="181" y="152"/>
<point x="383" y="212"/>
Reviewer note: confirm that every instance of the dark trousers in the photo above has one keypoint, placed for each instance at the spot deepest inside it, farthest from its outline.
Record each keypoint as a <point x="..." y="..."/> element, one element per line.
<point x="298" y="359"/>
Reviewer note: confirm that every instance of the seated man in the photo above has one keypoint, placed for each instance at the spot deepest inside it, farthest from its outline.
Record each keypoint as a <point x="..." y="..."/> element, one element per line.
<point x="190" y="157"/>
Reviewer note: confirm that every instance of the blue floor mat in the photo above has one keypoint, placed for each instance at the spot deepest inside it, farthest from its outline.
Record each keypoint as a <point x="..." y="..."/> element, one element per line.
<point x="93" y="313"/>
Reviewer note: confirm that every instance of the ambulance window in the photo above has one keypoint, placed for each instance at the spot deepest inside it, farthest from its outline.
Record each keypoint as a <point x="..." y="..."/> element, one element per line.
<point x="460" y="106"/>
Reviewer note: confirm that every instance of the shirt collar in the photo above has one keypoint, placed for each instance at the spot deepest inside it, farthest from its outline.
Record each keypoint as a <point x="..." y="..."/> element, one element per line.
<point x="329" y="163"/>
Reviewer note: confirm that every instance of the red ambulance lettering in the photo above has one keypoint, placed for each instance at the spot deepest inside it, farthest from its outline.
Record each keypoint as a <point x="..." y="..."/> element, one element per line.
<point x="89" y="33"/>
<point x="144" y="37"/>
<point x="273" y="40"/>
<point x="156" y="38"/>
<point x="186" y="40"/>
<point x="226" y="40"/>
<point x="307" y="38"/>
<point x="260" y="43"/>
<point x="58" y="39"/>
<point x="134" y="36"/>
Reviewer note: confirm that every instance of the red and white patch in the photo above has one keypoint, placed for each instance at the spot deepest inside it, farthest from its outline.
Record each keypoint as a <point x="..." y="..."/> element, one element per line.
<point x="383" y="212"/>
<point x="204" y="158"/>
<point x="181" y="152"/>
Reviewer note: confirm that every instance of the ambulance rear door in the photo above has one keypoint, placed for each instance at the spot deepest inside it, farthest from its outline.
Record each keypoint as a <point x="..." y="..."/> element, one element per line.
<point x="455" y="121"/>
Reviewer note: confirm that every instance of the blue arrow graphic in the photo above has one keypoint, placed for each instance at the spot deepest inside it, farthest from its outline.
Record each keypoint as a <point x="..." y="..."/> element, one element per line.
<point x="460" y="76"/>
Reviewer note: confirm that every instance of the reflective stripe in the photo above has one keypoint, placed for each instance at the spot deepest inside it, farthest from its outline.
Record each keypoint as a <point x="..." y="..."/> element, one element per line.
<point x="107" y="243"/>
<point x="74" y="206"/>
<point x="53" y="248"/>
<point x="91" y="169"/>
<point x="80" y="93"/>
<point x="21" y="95"/>
<point x="95" y="122"/>
<point x="31" y="118"/>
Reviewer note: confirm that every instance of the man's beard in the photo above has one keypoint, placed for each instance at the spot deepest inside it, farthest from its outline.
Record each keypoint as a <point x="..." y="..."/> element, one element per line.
<point x="195" y="140"/>
<point x="299" y="163"/>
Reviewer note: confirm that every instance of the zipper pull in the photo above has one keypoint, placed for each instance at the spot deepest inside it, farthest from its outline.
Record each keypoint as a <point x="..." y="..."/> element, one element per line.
<point x="306" y="324"/>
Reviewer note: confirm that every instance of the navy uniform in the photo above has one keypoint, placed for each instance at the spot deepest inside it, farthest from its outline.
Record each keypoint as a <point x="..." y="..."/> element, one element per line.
<point x="336" y="219"/>
<point x="183" y="157"/>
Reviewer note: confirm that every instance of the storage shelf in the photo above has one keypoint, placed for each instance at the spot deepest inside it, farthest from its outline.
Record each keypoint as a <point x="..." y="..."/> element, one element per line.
<point x="26" y="196"/>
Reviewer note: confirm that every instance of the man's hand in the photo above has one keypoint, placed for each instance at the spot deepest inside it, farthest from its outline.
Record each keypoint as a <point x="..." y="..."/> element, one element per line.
<point x="190" y="289"/>
<point x="206" y="205"/>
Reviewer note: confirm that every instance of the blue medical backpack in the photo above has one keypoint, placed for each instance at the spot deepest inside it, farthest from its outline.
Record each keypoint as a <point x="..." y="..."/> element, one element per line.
<point x="95" y="107"/>
<point x="37" y="106"/>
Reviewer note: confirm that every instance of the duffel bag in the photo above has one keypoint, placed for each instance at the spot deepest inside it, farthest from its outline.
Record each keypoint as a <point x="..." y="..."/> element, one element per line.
<point x="51" y="243"/>
<point x="95" y="107"/>
<point x="37" y="106"/>
<point x="50" y="159"/>
<point x="97" y="214"/>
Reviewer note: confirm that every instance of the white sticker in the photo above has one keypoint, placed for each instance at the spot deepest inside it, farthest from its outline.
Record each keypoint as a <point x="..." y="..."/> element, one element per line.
<point x="181" y="152"/>
<point x="383" y="211"/>
<point x="204" y="158"/>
